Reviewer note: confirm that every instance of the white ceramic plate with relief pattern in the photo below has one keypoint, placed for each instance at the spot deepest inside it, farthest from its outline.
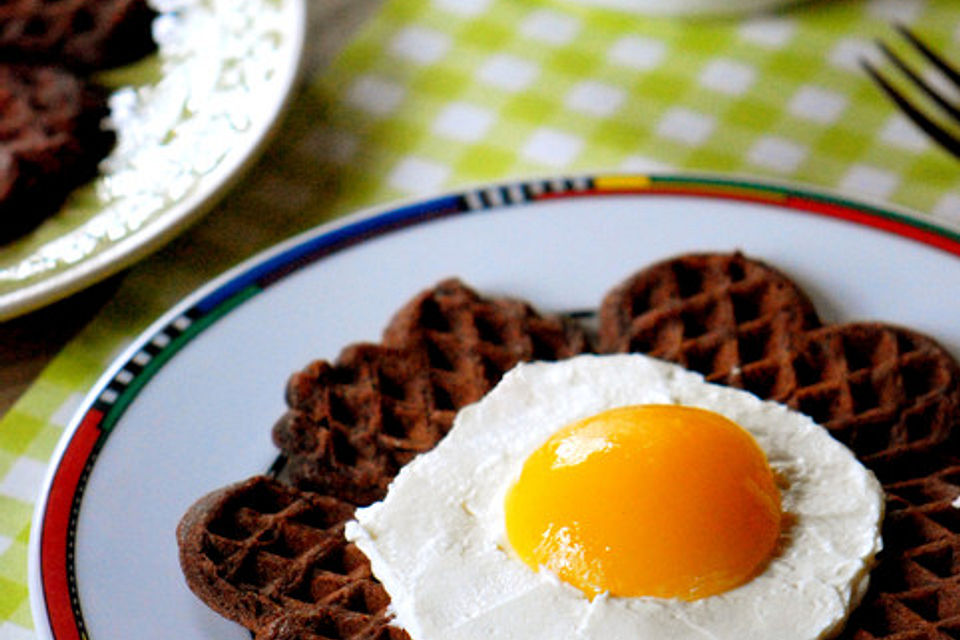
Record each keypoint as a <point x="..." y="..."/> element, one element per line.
<point x="189" y="119"/>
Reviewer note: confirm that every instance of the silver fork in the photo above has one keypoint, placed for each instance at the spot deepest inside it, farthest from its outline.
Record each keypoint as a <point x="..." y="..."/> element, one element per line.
<point x="936" y="119"/>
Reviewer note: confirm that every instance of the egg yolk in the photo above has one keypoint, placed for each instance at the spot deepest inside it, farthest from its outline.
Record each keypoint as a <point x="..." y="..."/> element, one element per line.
<point x="647" y="500"/>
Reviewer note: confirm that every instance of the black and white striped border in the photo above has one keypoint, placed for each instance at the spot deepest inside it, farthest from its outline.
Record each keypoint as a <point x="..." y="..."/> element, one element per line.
<point x="142" y="358"/>
<point x="522" y="193"/>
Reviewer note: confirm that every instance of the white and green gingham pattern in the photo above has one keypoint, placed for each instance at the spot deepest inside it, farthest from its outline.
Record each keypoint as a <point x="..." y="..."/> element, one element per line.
<point x="464" y="90"/>
<point x="434" y="94"/>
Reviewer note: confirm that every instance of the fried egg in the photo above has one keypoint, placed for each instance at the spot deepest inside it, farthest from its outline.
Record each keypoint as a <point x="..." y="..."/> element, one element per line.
<point x="607" y="497"/>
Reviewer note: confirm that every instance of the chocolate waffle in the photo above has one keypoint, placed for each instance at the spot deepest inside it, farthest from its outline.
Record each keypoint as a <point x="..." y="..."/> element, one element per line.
<point x="248" y="550"/>
<point x="274" y="559"/>
<point x="270" y="553"/>
<point x="730" y="318"/>
<point x="51" y="140"/>
<point x="915" y="590"/>
<point x="351" y="425"/>
<point x="82" y="34"/>
<point x="884" y="391"/>
<point x="890" y="394"/>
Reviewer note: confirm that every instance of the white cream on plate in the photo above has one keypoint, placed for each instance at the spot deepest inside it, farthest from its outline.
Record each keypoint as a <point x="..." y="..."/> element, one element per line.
<point x="438" y="542"/>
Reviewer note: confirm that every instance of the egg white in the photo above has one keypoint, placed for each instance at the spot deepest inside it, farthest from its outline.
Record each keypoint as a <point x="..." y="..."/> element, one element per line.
<point x="438" y="542"/>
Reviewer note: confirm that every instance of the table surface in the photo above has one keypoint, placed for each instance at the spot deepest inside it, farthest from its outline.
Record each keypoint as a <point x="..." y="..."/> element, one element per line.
<point x="407" y="98"/>
<point x="28" y="343"/>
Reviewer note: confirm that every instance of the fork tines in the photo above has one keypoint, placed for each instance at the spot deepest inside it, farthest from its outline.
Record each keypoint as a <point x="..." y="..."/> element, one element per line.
<point x="939" y="126"/>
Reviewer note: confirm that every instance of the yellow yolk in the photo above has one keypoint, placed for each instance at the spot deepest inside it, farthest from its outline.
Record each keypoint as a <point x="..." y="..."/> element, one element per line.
<point x="647" y="500"/>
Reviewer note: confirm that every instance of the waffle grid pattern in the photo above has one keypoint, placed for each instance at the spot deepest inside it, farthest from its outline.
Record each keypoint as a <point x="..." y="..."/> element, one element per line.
<point x="729" y="318"/>
<point x="916" y="593"/>
<point x="284" y="551"/>
<point x="352" y="425"/>
<point x="264" y="553"/>
<point x="443" y="120"/>
<point x="879" y="389"/>
<point x="890" y="394"/>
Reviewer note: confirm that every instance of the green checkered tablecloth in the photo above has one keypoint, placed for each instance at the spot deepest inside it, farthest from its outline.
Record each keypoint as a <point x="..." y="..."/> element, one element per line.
<point x="432" y="94"/>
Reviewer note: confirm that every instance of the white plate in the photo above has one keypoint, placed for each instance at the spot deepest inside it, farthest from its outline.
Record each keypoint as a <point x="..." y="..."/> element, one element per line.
<point x="188" y="120"/>
<point x="189" y="407"/>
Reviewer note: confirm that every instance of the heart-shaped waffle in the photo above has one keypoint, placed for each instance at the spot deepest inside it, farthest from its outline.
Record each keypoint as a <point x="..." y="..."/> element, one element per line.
<point x="882" y="390"/>
<point x="51" y="140"/>
<point x="353" y="424"/>
<point x="728" y="317"/>
<point x="248" y="552"/>
<point x="279" y="556"/>
<point x="85" y="34"/>
<point x="890" y="394"/>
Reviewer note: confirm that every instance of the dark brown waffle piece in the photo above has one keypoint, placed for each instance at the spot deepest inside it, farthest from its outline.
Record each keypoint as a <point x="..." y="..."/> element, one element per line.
<point x="248" y="550"/>
<point x="82" y="34"/>
<point x="884" y="391"/>
<point x="351" y="425"/>
<point x="51" y="140"/>
<point x="274" y="559"/>
<point x="915" y="590"/>
<point x="891" y="394"/>
<point x="864" y="381"/>
<point x="729" y="317"/>
<point x="488" y="336"/>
